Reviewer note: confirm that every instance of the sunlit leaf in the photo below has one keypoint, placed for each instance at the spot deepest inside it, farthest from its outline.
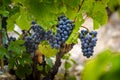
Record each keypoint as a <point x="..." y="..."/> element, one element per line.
<point x="47" y="50"/>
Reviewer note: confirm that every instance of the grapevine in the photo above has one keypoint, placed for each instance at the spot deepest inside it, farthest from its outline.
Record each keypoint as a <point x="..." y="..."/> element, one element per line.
<point x="47" y="36"/>
<point x="36" y="35"/>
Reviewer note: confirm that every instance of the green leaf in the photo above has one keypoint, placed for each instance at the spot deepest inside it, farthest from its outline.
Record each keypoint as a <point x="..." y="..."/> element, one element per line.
<point x="45" y="12"/>
<point x="112" y="4"/>
<point x="6" y="2"/>
<point x="16" y="47"/>
<point x="21" y="61"/>
<point x="87" y="8"/>
<point x="5" y="13"/>
<point x="27" y="58"/>
<point x="73" y="61"/>
<point x="66" y="56"/>
<point x="0" y="23"/>
<point x="49" y="62"/>
<point x="14" y="10"/>
<point x="11" y="21"/>
<point x="67" y="65"/>
<point x="99" y="13"/>
<point x="96" y="10"/>
<point x="47" y="68"/>
<point x="72" y="77"/>
<point x="22" y="71"/>
<point x="74" y="35"/>
<point x="22" y="21"/>
<point x="101" y="63"/>
<point x="100" y="18"/>
<point x="96" y="24"/>
<point x="47" y="50"/>
<point x="40" y="68"/>
<point x="11" y="63"/>
<point x="3" y="52"/>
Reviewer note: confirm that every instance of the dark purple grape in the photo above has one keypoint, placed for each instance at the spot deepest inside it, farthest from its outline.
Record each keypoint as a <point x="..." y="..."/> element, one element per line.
<point x="88" y="42"/>
<point x="12" y="39"/>
<point x="32" y="41"/>
<point x="33" y="22"/>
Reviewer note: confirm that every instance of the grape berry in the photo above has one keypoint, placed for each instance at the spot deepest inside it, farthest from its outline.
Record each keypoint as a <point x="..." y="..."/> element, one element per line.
<point x="88" y="42"/>
<point x="12" y="39"/>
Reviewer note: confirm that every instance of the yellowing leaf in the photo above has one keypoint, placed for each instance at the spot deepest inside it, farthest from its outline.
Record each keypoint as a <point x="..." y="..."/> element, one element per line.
<point x="47" y="50"/>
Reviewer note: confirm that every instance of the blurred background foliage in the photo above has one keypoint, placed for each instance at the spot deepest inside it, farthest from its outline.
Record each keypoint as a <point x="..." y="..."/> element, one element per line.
<point x="106" y="66"/>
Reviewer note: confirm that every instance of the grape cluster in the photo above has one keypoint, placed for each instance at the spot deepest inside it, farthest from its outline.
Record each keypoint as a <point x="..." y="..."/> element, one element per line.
<point x="33" y="40"/>
<point x="64" y="28"/>
<point x="12" y="39"/>
<point x="88" y="42"/>
<point x="38" y="34"/>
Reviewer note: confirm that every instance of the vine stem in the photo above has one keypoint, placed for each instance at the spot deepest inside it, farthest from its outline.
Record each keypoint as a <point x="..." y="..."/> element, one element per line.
<point x="4" y="25"/>
<point x="1" y="61"/>
<point x="85" y="28"/>
<point x="54" y="70"/>
<point x="79" y="8"/>
<point x="3" y="28"/>
<point x="51" y="74"/>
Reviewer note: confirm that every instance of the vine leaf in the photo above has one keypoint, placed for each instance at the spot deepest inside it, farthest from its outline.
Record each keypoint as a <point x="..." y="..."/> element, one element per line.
<point x="3" y="52"/>
<point x="74" y="35"/>
<point x="11" y="21"/>
<point x="16" y="47"/>
<point x="22" y="71"/>
<point x="47" y="50"/>
<point x="96" y="24"/>
<point x="49" y="62"/>
<point x="67" y="65"/>
<point x="22" y="21"/>
<point x="96" y="10"/>
<point x="12" y="62"/>
<point x="99" y="15"/>
<point x="105" y="58"/>
<point x="112" y="4"/>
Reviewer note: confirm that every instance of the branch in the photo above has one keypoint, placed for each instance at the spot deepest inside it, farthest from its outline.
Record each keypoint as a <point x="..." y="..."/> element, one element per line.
<point x="109" y="12"/>
<point x="54" y="70"/>
<point x="85" y="28"/>
<point x="4" y="25"/>
<point x="80" y="6"/>
<point x="25" y="33"/>
<point x="51" y="74"/>
<point x="0" y="37"/>
<point x="4" y="22"/>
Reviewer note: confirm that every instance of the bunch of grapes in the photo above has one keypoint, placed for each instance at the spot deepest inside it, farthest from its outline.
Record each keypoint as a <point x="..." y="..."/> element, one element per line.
<point x="64" y="29"/>
<point x="37" y="35"/>
<point x="12" y="39"/>
<point x="88" y="42"/>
